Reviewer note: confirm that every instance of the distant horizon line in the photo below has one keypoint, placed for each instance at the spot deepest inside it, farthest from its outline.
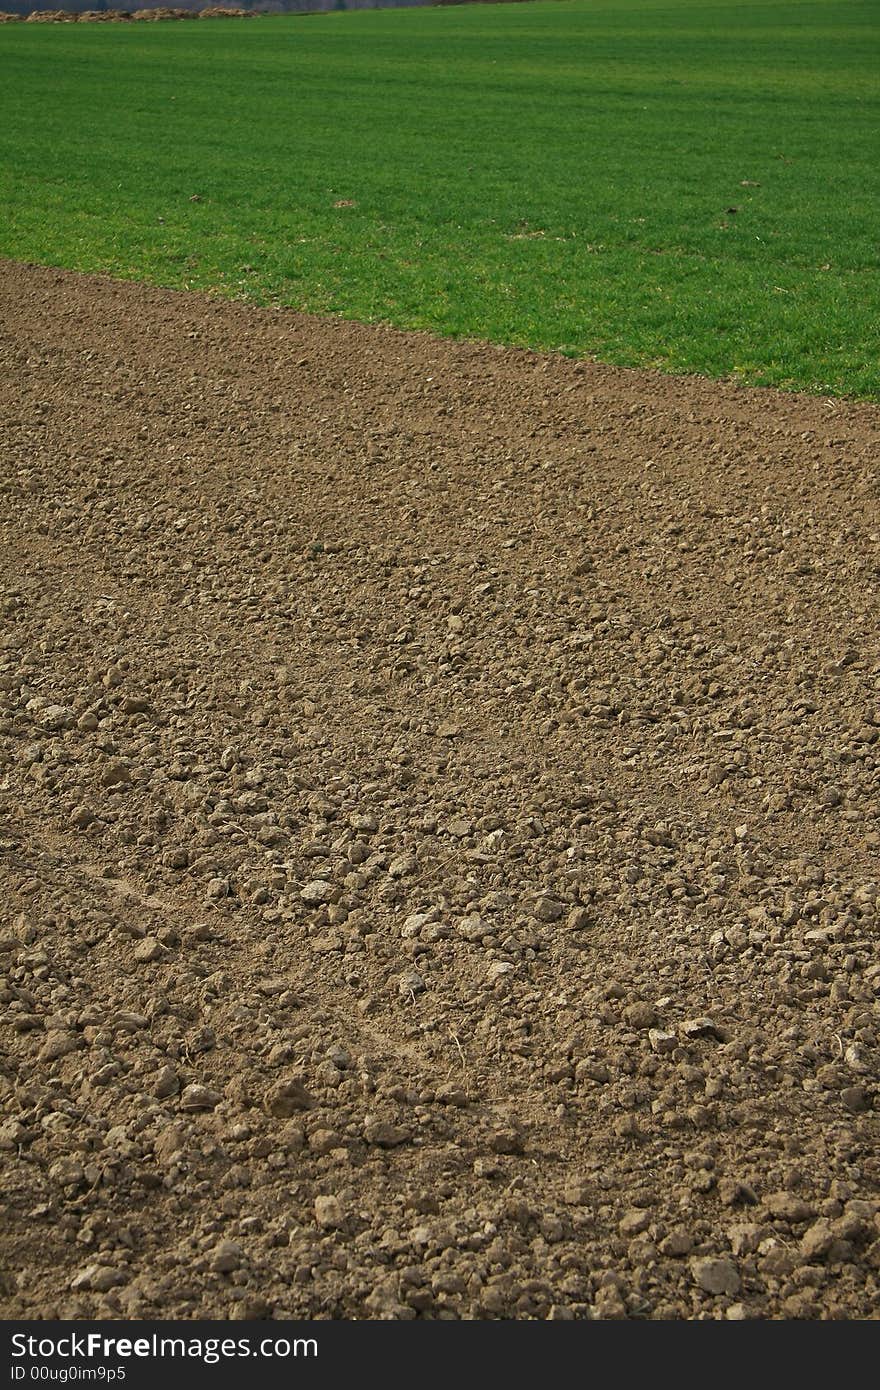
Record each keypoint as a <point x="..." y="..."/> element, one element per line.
<point x="23" y="9"/>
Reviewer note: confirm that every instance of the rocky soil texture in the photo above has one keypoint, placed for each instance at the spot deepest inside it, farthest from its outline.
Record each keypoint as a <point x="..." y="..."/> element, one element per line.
<point x="439" y="827"/>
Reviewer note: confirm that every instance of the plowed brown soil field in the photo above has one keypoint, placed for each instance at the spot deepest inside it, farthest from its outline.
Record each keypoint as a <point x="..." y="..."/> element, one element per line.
<point x="439" y="826"/>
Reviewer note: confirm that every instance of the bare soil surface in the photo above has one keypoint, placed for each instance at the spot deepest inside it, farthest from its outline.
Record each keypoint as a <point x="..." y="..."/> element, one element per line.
<point x="439" y="826"/>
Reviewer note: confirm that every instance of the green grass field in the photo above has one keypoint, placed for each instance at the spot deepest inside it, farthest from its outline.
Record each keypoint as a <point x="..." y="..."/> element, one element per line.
<point x="558" y="175"/>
